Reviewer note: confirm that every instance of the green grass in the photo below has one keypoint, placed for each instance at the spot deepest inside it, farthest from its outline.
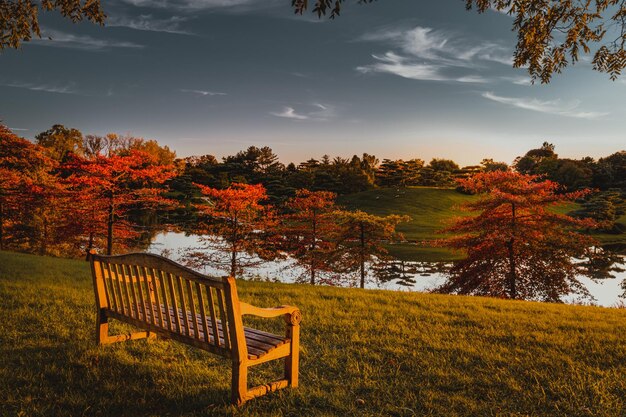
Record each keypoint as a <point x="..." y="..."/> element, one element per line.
<point x="364" y="353"/>
<point x="430" y="209"/>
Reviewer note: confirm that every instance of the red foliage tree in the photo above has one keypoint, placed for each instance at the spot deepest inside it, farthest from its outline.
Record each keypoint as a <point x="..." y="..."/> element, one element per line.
<point x="237" y="229"/>
<point x="29" y="194"/>
<point x="517" y="246"/>
<point x="105" y="188"/>
<point x="308" y="229"/>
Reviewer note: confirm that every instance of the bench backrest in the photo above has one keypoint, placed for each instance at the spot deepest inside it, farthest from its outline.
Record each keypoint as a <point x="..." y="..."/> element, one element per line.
<point x="155" y="290"/>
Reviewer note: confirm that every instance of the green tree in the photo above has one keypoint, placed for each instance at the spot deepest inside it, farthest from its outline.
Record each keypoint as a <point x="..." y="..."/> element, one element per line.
<point x="362" y="238"/>
<point x="59" y="141"/>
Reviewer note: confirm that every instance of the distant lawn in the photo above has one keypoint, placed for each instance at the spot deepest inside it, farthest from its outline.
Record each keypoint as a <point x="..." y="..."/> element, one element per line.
<point x="364" y="353"/>
<point x="430" y="209"/>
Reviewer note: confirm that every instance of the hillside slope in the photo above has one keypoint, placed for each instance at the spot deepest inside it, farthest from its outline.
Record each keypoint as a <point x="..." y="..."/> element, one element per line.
<point x="364" y="353"/>
<point x="431" y="209"/>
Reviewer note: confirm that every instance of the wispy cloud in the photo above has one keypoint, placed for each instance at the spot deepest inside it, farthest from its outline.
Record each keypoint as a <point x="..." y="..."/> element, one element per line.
<point x="60" y="39"/>
<point x="557" y="107"/>
<point x="48" y="88"/>
<point x="520" y="80"/>
<point x="316" y="112"/>
<point x="203" y="92"/>
<point x="290" y="113"/>
<point x="148" y="22"/>
<point x="423" y="53"/>
<point x="17" y="129"/>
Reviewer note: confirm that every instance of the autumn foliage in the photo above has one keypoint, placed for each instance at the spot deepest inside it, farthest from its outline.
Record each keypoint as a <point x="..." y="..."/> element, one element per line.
<point x="309" y="230"/>
<point x="517" y="245"/>
<point x="54" y="201"/>
<point x="236" y="227"/>
<point x="29" y="194"/>
<point x="105" y="188"/>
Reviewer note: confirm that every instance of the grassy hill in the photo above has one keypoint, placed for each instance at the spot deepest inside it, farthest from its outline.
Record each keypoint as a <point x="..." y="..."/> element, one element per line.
<point x="430" y="209"/>
<point x="364" y="353"/>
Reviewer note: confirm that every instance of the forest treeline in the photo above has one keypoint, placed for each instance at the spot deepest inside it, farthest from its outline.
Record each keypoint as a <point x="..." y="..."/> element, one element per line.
<point x="66" y="191"/>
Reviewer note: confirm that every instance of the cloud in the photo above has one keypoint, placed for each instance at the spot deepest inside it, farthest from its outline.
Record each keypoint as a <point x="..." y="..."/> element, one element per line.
<point x="147" y="22"/>
<point x="290" y="113"/>
<point x="557" y="107"/>
<point x="48" y="88"/>
<point x="203" y="92"/>
<point x="59" y="39"/>
<point x="316" y="112"/>
<point x="407" y="68"/>
<point x="520" y="80"/>
<point x="17" y="129"/>
<point x="424" y="53"/>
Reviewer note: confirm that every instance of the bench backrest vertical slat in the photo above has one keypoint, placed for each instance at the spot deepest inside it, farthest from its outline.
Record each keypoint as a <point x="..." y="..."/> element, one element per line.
<point x="174" y="301"/>
<point x="108" y="285"/>
<point x="183" y="305"/>
<point x="223" y="318"/>
<point x="114" y="286"/>
<point x="205" y="327"/>
<point x="128" y="273"/>
<point x="166" y="304"/>
<point x="156" y="299"/>
<point x="235" y="321"/>
<point x="216" y="332"/>
<point x="141" y="285"/>
<point x="123" y="291"/>
<point x="192" y="305"/>
<point x="150" y="298"/>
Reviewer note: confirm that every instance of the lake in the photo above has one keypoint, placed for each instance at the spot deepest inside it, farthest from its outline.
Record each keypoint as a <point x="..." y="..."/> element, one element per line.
<point x="173" y="244"/>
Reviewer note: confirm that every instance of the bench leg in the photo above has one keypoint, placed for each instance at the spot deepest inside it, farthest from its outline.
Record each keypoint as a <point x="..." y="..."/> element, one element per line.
<point x="102" y="328"/>
<point x="239" y="388"/>
<point x="292" y="361"/>
<point x="102" y="332"/>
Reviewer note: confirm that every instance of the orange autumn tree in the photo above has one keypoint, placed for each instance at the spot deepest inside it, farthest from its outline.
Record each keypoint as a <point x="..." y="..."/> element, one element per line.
<point x="362" y="237"/>
<point x="517" y="246"/>
<point x="29" y="195"/>
<point x="237" y="229"/>
<point x="105" y="188"/>
<point x="308" y="228"/>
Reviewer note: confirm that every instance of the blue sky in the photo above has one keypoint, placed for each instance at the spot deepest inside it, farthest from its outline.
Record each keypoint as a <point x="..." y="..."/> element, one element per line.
<point x="398" y="79"/>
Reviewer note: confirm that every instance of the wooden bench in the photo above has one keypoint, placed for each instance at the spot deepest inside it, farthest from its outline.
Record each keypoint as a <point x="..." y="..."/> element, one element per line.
<point x="166" y="299"/>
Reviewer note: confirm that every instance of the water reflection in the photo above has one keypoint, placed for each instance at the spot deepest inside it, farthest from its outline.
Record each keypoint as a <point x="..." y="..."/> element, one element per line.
<point x="401" y="275"/>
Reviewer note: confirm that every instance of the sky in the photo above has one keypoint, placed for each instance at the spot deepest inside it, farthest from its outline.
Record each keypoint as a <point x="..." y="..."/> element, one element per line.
<point x="395" y="78"/>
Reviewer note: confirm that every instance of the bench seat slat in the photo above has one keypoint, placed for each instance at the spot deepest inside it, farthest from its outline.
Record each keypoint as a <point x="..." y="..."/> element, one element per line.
<point x="258" y="342"/>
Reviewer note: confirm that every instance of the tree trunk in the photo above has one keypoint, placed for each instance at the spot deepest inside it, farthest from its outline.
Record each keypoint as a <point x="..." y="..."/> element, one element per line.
<point x="233" y="253"/>
<point x="233" y="262"/>
<point x="362" y="255"/>
<point x="110" y="223"/>
<point x="43" y="248"/>
<point x="313" y="247"/>
<point x="512" y="266"/>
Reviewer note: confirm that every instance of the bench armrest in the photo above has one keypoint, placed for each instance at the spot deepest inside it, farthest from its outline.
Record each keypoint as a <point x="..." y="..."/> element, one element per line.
<point x="292" y="314"/>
